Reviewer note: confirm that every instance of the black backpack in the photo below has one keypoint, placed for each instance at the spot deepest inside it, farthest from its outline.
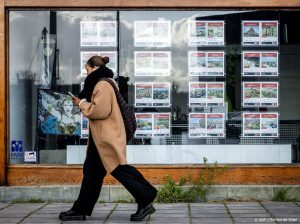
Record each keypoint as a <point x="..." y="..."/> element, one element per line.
<point x="126" y="111"/>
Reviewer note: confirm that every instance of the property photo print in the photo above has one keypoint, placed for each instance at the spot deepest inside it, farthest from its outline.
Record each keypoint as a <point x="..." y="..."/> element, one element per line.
<point x="251" y="63"/>
<point x="161" y="33"/>
<point x="269" y="33"/>
<point x="215" y="33"/>
<point x="215" y="125"/>
<point x="251" y="94"/>
<point x="215" y="64"/>
<point x="152" y="63"/>
<point x="197" y="125"/>
<point x="143" y="63"/>
<point x="206" y="33"/>
<point x="143" y="94"/>
<point x="197" y="33"/>
<point x="269" y="94"/>
<point x="143" y="33"/>
<point x="197" y="94"/>
<point x="161" y="63"/>
<point x="251" y="124"/>
<point x="144" y="122"/>
<point x="215" y="91"/>
<point x="98" y="33"/>
<point x="161" y="94"/>
<point x="215" y="94"/>
<point x="250" y="33"/>
<point x="198" y="29"/>
<point x="269" y="63"/>
<point x="89" y="33"/>
<point x="269" y="29"/>
<point x="269" y="125"/>
<point x="197" y="63"/>
<point x="152" y="33"/>
<point x="108" y="33"/>
<point x="161" y="124"/>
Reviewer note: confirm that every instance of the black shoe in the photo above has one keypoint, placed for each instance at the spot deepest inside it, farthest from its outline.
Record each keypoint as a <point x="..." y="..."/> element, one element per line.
<point x="71" y="215"/>
<point x="141" y="213"/>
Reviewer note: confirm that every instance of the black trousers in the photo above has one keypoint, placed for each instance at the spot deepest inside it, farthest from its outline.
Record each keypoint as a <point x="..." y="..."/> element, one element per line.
<point x="93" y="175"/>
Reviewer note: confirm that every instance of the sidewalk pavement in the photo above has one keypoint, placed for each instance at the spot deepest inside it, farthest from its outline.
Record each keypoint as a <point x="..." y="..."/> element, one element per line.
<point x="228" y="212"/>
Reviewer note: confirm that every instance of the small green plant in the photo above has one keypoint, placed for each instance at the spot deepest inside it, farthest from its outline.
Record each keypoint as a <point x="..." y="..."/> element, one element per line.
<point x="170" y="192"/>
<point x="173" y="193"/>
<point x="206" y="179"/>
<point x="281" y="194"/>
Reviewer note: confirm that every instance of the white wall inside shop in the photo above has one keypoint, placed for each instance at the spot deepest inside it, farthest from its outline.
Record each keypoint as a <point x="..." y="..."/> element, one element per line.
<point x="193" y="154"/>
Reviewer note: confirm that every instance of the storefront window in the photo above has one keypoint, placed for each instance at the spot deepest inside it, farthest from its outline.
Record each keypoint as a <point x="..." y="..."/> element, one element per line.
<point x="214" y="84"/>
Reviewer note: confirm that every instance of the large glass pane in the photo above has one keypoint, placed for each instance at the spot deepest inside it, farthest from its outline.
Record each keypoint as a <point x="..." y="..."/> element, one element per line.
<point x="25" y="34"/>
<point x="209" y="85"/>
<point x="214" y="83"/>
<point x="47" y="52"/>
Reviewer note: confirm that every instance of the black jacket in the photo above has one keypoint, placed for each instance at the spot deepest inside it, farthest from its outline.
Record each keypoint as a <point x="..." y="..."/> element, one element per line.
<point x="92" y="79"/>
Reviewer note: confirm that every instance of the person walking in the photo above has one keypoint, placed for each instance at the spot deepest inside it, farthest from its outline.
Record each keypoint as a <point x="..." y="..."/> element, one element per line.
<point x="106" y="150"/>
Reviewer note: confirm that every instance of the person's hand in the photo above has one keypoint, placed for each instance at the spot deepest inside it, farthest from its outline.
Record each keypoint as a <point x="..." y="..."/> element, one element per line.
<point x="75" y="100"/>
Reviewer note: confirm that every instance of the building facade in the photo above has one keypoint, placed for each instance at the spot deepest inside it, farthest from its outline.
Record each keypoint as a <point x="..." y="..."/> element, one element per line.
<point x="207" y="80"/>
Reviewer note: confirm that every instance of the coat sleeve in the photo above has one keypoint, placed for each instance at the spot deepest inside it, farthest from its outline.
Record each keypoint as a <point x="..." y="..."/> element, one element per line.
<point x="100" y="107"/>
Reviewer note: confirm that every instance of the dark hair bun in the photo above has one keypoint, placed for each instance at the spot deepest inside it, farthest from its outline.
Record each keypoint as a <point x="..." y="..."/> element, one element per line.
<point x="106" y="60"/>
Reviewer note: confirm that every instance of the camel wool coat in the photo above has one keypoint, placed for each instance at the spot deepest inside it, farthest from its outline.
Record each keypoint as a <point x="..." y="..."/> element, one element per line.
<point x="106" y="124"/>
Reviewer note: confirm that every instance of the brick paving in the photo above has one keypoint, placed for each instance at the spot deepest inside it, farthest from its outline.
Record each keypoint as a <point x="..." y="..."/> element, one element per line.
<point x="181" y="213"/>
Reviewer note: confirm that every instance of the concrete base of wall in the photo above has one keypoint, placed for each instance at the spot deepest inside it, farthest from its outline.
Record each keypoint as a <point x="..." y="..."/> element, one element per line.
<point x="120" y="194"/>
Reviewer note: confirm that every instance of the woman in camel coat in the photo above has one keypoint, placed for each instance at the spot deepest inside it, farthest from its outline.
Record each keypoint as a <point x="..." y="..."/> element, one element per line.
<point x="106" y="125"/>
<point x="106" y="152"/>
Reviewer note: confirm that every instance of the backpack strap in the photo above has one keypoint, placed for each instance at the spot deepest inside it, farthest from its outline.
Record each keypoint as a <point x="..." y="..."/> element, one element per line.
<point x="111" y="83"/>
<point x="126" y="111"/>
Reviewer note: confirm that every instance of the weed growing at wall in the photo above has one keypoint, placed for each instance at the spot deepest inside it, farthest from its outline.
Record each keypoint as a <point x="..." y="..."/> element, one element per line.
<point x="196" y="190"/>
<point x="281" y="194"/>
